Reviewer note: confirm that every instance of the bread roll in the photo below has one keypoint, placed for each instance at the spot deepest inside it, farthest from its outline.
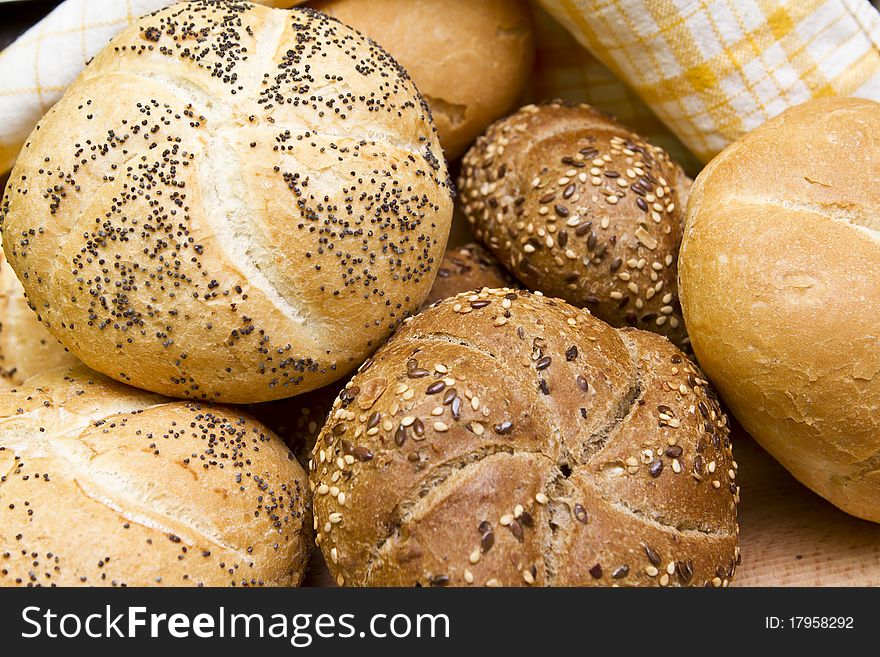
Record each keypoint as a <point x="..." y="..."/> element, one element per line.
<point x="465" y="268"/>
<point x="506" y="438"/>
<point x="232" y="203"/>
<point x="579" y="207"/>
<point x="779" y="289"/>
<point x="105" y="485"/>
<point x="470" y="58"/>
<point x="26" y="347"/>
<point x="299" y="420"/>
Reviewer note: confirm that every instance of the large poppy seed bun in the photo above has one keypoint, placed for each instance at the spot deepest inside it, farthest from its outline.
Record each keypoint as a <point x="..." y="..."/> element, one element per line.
<point x="26" y="347"/>
<point x="232" y="203"/>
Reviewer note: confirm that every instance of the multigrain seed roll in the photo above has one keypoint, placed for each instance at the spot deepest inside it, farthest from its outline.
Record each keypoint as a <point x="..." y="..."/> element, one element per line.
<point x="504" y="438"/>
<point x="781" y="293"/>
<point x="232" y="203"/>
<point x="470" y="58"/>
<point x="467" y="267"/>
<point x="299" y="420"/>
<point x="579" y="207"/>
<point x="105" y="485"/>
<point x="26" y="347"/>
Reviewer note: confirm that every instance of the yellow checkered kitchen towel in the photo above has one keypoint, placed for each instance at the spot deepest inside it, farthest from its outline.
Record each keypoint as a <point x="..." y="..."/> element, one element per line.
<point x="714" y="69"/>
<point x="564" y="69"/>
<point x="39" y="66"/>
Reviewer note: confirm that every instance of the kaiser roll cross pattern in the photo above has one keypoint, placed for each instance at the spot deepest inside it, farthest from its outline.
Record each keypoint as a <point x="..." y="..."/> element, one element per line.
<point x="505" y="438"/>
<point x="780" y="290"/>
<point x="232" y="203"/>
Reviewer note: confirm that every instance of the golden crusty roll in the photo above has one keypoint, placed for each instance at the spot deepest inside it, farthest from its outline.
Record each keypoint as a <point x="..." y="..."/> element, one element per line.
<point x="299" y="420"/>
<point x="506" y="438"/>
<point x="232" y="203"/>
<point x="26" y="347"/>
<point x="778" y="283"/>
<point x="579" y="207"/>
<point x="470" y="58"/>
<point x="106" y="485"/>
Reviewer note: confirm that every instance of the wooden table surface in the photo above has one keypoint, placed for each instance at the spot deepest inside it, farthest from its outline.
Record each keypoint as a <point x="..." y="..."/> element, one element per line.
<point x="790" y="536"/>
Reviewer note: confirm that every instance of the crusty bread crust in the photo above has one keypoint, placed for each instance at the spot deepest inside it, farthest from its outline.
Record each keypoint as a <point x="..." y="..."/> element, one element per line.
<point x="26" y="347"/>
<point x="506" y="438"/>
<point x="779" y="285"/>
<point x="299" y="420"/>
<point x="232" y="203"/>
<point x="579" y="207"/>
<point x="106" y="485"/>
<point x="470" y="58"/>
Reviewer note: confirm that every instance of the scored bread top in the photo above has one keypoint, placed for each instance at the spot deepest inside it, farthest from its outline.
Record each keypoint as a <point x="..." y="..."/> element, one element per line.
<point x="231" y="203"/>
<point x="502" y="437"/>
<point x="105" y="485"/>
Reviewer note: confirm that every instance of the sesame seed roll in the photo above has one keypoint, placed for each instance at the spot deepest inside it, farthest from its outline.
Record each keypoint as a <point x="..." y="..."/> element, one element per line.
<point x="581" y="208"/>
<point x="106" y="485"/>
<point x="232" y="203"/>
<point x="505" y="438"/>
